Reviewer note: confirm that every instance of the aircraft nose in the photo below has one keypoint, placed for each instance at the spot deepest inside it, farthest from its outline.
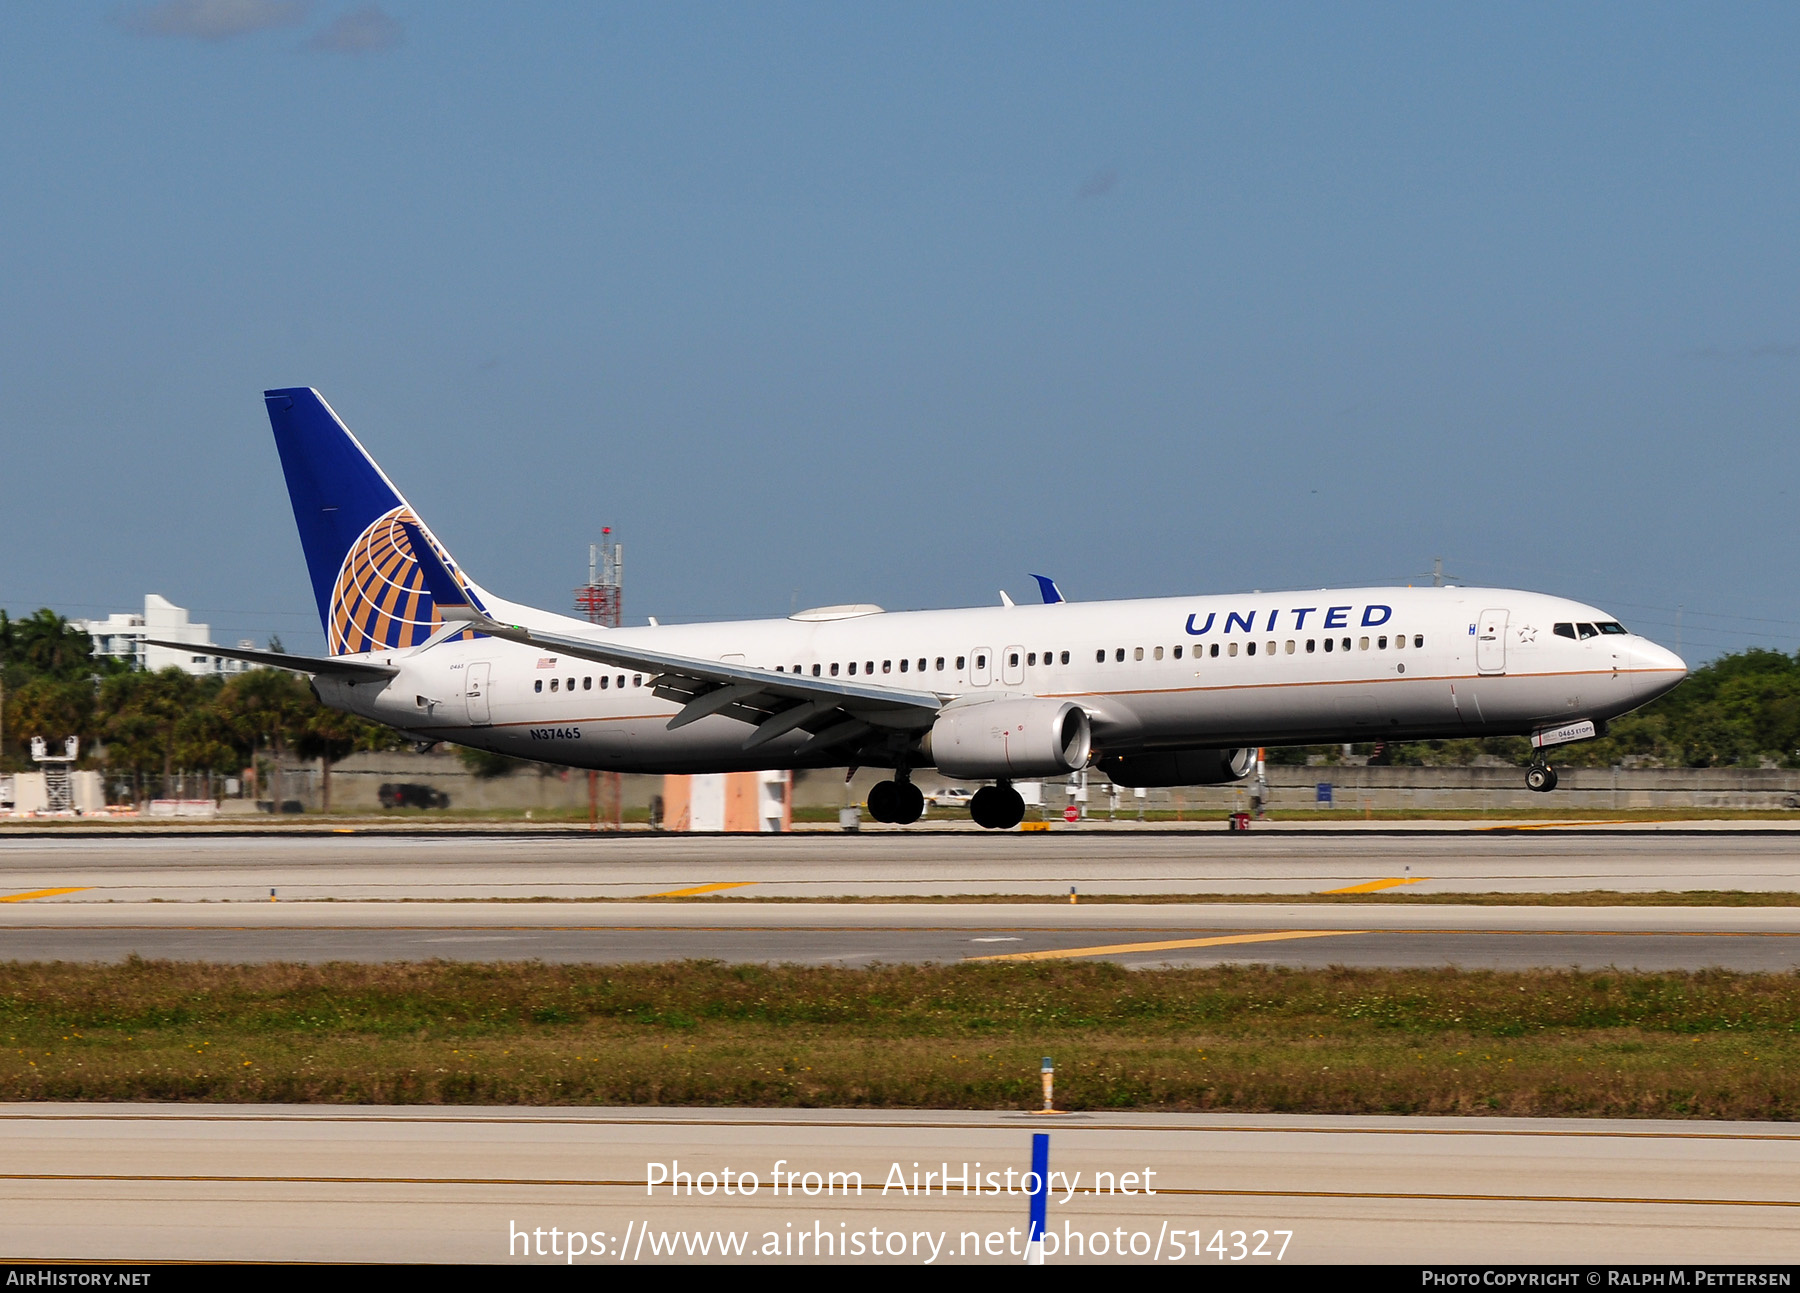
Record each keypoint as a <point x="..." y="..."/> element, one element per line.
<point x="1658" y="669"/>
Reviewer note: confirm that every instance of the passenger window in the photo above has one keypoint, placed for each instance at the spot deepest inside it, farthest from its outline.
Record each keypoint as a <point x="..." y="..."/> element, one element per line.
<point x="587" y="683"/>
<point x="922" y="664"/>
<point x="1100" y="656"/>
<point x="1330" y="643"/>
<point x="1347" y="643"/>
<point x="959" y="663"/>
<point x="816" y="671"/>
<point x="1138" y="653"/>
<point x="1271" y="648"/>
<point x="571" y="684"/>
<point x="887" y="666"/>
<point x="1119" y="656"/>
<point x="1232" y="649"/>
<point x="1588" y="631"/>
<point x="1363" y="643"/>
<point x="1418" y="639"/>
<point x="868" y="666"/>
<point x="553" y="683"/>
<point x="1381" y="644"/>
<point x="853" y="668"/>
<point x="1012" y="661"/>
<point x="1310" y="643"/>
<point x="903" y="664"/>
<point x="1215" y="651"/>
<point x="1158" y="653"/>
<point x="621" y="682"/>
<point x="1564" y="631"/>
<point x="940" y="664"/>
<point x="1031" y="659"/>
<point x="1290" y="646"/>
<point x="539" y="686"/>
<point x="834" y="668"/>
<point x="1065" y="657"/>
<point x="1177" y="652"/>
<point x="604" y="680"/>
<point x="637" y="680"/>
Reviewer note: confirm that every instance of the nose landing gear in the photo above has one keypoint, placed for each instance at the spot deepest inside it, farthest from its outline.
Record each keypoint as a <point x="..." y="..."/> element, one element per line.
<point x="998" y="807"/>
<point x="1541" y="776"/>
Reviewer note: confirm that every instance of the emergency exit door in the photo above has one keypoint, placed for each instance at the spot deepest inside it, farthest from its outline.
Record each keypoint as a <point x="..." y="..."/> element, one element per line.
<point x="1490" y="642"/>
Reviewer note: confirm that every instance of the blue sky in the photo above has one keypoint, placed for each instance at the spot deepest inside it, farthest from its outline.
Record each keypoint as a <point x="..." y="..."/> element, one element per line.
<point x="898" y="303"/>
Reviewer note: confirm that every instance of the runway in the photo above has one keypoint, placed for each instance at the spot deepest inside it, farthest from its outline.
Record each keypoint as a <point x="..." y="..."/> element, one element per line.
<point x="559" y="899"/>
<point x="1144" y="936"/>
<point x="898" y="863"/>
<point x="311" y="1183"/>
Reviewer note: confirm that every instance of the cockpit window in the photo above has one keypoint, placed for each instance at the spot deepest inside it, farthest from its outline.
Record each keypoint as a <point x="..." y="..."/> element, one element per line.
<point x="1612" y="626"/>
<point x="1588" y="631"/>
<point x="1565" y="630"/>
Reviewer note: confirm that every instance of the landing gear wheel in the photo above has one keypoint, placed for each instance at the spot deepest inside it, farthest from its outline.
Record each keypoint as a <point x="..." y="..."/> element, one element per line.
<point x="1541" y="777"/>
<point x="909" y="803"/>
<point x="998" y="808"/>
<point x="899" y="802"/>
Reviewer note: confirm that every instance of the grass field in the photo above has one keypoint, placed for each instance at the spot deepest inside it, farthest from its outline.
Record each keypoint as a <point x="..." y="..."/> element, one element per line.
<point x="1702" y="1045"/>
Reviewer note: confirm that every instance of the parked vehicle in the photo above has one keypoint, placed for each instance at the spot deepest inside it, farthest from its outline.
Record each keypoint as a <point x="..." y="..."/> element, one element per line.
<point x="410" y="794"/>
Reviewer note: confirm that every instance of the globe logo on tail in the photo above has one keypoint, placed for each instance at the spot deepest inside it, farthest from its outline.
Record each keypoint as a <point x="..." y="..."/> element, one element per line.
<point x="379" y="601"/>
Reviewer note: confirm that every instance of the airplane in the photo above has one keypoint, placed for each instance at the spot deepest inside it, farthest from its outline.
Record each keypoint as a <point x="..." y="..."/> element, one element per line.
<point x="1156" y="692"/>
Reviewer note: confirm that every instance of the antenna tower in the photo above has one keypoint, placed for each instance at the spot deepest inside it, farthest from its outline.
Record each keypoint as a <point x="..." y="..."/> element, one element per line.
<point x="602" y="600"/>
<point x="602" y="597"/>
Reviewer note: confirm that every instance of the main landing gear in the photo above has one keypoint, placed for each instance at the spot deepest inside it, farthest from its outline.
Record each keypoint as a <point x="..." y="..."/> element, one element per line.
<point x="998" y="807"/>
<point x="1541" y="776"/>
<point x="897" y="801"/>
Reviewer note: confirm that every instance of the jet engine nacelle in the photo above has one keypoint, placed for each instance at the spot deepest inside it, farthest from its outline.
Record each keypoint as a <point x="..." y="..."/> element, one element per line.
<point x="1010" y="738"/>
<point x="1178" y="767"/>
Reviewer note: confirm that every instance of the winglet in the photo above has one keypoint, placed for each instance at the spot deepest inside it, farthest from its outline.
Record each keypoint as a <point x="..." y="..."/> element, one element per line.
<point x="1048" y="587"/>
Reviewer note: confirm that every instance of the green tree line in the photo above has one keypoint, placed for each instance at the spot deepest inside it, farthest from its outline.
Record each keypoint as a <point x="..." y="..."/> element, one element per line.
<point x="138" y="725"/>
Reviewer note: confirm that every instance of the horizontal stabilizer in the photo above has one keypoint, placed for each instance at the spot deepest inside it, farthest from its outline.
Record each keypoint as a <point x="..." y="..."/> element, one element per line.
<point x="439" y="582"/>
<point x="334" y="665"/>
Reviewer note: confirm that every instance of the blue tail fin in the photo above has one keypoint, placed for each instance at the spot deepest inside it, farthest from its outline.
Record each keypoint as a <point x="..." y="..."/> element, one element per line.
<point x="354" y="528"/>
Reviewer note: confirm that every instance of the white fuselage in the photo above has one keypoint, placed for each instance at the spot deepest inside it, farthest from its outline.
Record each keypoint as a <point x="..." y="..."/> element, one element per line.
<point x="1402" y="664"/>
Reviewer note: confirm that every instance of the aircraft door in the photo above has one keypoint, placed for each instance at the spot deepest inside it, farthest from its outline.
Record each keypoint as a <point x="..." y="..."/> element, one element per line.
<point x="1490" y="642"/>
<point x="981" y="666"/>
<point x="1012" y="666"/>
<point x="475" y="692"/>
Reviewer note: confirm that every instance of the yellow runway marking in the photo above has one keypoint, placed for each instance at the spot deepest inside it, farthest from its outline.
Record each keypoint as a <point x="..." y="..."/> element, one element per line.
<point x="1119" y="949"/>
<point x="43" y="893"/>
<point x="1375" y="886"/>
<point x="700" y="889"/>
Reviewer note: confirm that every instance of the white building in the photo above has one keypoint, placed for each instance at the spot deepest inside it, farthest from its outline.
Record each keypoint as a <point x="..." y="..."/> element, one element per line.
<point x="121" y="635"/>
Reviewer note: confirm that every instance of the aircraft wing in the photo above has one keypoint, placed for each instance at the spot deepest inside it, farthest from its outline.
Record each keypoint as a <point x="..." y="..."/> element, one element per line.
<point x="833" y="709"/>
<point x="359" y="670"/>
